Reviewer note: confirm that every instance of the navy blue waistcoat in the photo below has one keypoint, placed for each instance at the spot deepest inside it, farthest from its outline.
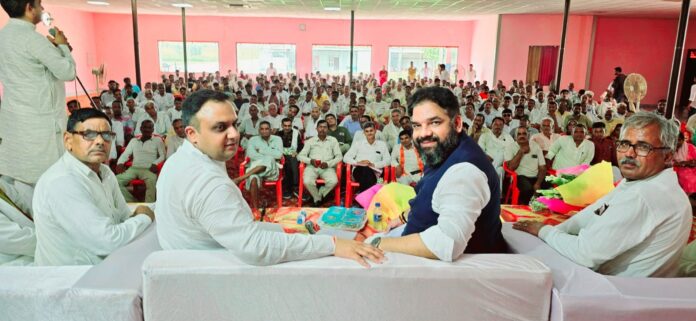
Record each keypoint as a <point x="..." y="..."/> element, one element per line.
<point x="487" y="237"/>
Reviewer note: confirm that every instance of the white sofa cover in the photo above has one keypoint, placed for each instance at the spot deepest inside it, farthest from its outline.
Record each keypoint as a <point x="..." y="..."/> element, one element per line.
<point x="581" y="294"/>
<point x="214" y="285"/>
<point x="109" y="291"/>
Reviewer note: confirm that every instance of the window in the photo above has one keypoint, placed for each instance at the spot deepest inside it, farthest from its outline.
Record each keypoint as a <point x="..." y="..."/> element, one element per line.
<point x="336" y="59"/>
<point x="254" y="58"/>
<point x="400" y="60"/>
<point x="202" y="56"/>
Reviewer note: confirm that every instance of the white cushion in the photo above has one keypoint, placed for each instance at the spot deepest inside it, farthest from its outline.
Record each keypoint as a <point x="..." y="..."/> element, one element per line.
<point x="214" y="285"/>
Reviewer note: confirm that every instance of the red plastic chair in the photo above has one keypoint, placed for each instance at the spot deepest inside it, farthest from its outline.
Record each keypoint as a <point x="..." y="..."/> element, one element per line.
<point x="337" y="189"/>
<point x="392" y="174"/>
<point x="513" y="193"/>
<point x="350" y="185"/>
<point x="139" y="182"/>
<point x="278" y="184"/>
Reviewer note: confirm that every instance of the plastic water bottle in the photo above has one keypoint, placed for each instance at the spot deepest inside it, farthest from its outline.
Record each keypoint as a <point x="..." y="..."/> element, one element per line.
<point x="377" y="213"/>
<point x="301" y="217"/>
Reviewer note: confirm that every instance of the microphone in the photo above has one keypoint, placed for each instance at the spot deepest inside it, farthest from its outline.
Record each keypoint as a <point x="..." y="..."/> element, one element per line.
<point x="47" y="20"/>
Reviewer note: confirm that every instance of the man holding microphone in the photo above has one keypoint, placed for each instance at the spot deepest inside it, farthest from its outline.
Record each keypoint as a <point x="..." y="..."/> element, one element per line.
<point x="33" y="72"/>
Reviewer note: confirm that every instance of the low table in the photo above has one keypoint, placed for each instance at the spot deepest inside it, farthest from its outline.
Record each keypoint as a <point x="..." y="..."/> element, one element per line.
<point x="287" y="217"/>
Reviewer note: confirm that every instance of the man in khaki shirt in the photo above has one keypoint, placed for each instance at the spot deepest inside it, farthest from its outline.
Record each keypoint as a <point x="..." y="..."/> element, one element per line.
<point x="321" y="154"/>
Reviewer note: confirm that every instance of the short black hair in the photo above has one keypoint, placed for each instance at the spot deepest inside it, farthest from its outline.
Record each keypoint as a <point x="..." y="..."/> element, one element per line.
<point x="405" y="132"/>
<point x="84" y="114"/>
<point x="618" y="69"/>
<point x="322" y="122"/>
<point x="329" y="115"/>
<point x="443" y="97"/>
<point x="15" y="8"/>
<point x="195" y="101"/>
<point x="599" y="124"/>
<point x="264" y="122"/>
<point x="498" y="118"/>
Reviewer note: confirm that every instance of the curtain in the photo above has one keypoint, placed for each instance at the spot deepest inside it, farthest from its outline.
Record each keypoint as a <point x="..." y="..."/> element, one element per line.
<point x="533" y="64"/>
<point x="547" y="64"/>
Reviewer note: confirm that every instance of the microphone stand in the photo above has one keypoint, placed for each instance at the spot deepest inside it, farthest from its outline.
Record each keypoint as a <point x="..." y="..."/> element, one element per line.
<point x="86" y="93"/>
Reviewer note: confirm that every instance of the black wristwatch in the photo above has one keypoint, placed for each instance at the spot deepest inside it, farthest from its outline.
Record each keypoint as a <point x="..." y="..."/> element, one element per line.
<point x="376" y="241"/>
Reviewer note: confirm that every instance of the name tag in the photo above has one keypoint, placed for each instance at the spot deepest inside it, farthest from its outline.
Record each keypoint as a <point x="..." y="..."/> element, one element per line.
<point x="378" y="152"/>
<point x="534" y="156"/>
<point x="601" y="210"/>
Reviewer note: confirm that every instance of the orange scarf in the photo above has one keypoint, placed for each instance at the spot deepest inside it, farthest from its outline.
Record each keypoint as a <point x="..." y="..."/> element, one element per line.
<point x="402" y="160"/>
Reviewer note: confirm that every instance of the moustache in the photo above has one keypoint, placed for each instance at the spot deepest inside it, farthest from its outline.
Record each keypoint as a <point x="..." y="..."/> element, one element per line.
<point x="629" y="161"/>
<point x="427" y="140"/>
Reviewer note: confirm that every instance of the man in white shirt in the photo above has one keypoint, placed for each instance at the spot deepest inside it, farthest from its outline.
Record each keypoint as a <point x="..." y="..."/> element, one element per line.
<point x="526" y="158"/>
<point x="80" y="215"/>
<point x="377" y="109"/>
<point x="547" y="137"/>
<point x="368" y="157"/>
<point x="264" y="152"/>
<point x="173" y="142"/>
<point x="160" y="119"/>
<point x="273" y="117"/>
<point x="457" y="205"/>
<point x="163" y="99"/>
<point x="572" y="150"/>
<point x="311" y="121"/>
<point x="641" y="227"/>
<point x="426" y="73"/>
<point x="147" y="152"/>
<point x="308" y="104"/>
<point x="200" y="207"/>
<point x="494" y="143"/>
<point x="406" y="160"/>
<point x="392" y="129"/>
<point x="175" y="113"/>
<point x="271" y="71"/>
<point x="33" y="72"/>
<point x="320" y="154"/>
<point x="17" y="230"/>
<point x="470" y="74"/>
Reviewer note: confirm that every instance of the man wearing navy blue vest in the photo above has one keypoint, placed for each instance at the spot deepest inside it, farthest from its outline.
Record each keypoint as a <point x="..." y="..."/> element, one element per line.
<point x="457" y="205"/>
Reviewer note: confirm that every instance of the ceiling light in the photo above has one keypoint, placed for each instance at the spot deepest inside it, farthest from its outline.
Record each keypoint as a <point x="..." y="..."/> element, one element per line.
<point x="332" y="8"/>
<point x="182" y="5"/>
<point x="98" y="3"/>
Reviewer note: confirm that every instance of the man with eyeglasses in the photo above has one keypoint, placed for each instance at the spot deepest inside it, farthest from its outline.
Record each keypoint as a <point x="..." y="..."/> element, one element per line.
<point x="147" y="152"/>
<point x="640" y="227"/>
<point x="79" y="212"/>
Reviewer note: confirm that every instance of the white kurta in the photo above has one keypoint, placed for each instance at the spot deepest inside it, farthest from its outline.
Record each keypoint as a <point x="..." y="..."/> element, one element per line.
<point x="639" y="229"/>
<point x="17" y="236"/>
<point x="80" y="218"/>
<point x="199" y="207"/>
<point x="32" y="118"/>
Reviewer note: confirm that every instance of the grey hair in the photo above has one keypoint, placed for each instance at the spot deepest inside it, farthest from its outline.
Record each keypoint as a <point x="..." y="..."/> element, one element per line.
<point x="549" y="119"/>
<point x="668" y="130"/>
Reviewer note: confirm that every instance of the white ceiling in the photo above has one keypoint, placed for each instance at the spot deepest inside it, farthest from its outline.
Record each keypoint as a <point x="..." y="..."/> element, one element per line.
<point x="390" y="9"/>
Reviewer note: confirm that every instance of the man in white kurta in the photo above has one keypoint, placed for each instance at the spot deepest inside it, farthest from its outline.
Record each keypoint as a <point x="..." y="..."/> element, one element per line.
<point x="494" y="143"/>
<point x="641" y="227"/>
<point x="17" y="233"/>
<point x="80" y="215"/>
<point x="573" y="150"/>
<point x="200" y="207"/>
<point x="32" y="118"/>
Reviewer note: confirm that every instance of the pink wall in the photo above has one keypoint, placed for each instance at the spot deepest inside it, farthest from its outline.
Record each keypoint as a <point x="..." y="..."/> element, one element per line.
<point x="518" y="32"/>
<point x="643" y="46"/>
<point x="113" y="36"/>
<point x="78" y="26"/>
<point x="483" y="45"/>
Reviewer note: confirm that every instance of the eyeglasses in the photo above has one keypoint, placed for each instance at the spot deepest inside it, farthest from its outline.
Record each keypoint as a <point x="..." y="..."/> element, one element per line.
<point x="90" y="135"/>
<point x="641" y="149"/>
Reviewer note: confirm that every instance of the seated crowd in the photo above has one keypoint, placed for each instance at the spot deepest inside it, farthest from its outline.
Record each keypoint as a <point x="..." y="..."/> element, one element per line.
<point x="451" y="141"/>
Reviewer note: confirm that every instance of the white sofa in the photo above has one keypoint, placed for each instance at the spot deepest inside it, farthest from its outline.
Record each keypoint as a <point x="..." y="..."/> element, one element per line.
<point x="109" y="291"/>
<point x="581" y="294"/>
<point x="214" y="285"/>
